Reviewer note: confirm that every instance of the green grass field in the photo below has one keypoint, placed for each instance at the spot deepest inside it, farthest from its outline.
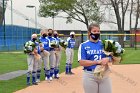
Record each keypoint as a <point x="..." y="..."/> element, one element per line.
<point x="17" y="61"/>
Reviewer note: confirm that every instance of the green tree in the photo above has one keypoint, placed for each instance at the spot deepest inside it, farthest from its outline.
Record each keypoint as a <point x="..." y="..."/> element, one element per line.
<point x="85" y="11"/>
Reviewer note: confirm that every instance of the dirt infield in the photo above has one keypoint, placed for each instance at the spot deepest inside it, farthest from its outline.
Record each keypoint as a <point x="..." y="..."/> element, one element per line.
<point x="125" y="79"/>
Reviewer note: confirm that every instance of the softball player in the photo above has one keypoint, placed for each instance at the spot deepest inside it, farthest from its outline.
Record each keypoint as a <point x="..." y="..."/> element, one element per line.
<point x="32" y="62"/>
<point x="57" y="56"/>
<point x="45" y="56"/>
<point x="52" y="53"/>
<point x="89" y="56"/>
<point x="70" y="53"/>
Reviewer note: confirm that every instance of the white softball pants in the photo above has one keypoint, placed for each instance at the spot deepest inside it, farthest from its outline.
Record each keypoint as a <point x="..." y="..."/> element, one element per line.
<point x="52" y="59"/>
<point x="69" y="55"/>
<point x="94" y="85"/>
<point x="57" y="58"/>
<point x="32" y="63"/>
<point x="45" y="59"/>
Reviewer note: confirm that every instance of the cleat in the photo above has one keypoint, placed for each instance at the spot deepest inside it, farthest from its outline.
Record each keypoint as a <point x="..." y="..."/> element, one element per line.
<point x="34" y="83"/>
<point x="53" y="76"/>
<point x="66" y="73"/>
<point x="38" y="80"/>
<point x="50" y="78"/>
<point x="71" y="73"/>
<point x="56" y="77"/>
<point x="46" y="78"/>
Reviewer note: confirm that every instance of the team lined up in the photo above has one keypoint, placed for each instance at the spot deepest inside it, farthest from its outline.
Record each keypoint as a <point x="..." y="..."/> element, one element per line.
<point x="47" y="49"/>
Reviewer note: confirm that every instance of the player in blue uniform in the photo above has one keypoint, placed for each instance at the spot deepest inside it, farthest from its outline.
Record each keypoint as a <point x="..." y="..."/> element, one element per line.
<point x="90" y="55"/>
<point x="70" y="52"/>
<point x="57" y="55"/>
<point x="52" y="52"/>
<point x="31" y="60"/>
<point x="44" y="55"/>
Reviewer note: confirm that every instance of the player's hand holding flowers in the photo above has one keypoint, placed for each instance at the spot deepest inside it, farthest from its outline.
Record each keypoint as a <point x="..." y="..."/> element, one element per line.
<point x="113" y="52"/>
<point x="63" y="43"/>
<point x="113" y="49"/>
<point x="54" y="44"/>
<point x="29" y="47"/>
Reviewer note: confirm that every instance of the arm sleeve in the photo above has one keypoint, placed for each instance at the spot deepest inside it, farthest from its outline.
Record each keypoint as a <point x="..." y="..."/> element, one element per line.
<point x="81" y="53"/>
<point x="38" y="49"/>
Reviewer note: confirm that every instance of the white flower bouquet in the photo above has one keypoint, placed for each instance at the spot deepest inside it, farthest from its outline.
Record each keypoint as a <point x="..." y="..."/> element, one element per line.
<point x="54" y="44"/>
<point x="29" y="47"/>
<point x="63" y="43"/>
<point x="113" y="49"/>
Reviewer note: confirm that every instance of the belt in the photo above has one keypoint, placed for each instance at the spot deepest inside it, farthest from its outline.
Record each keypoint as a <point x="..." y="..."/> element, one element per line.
<point x="89" y="69"/>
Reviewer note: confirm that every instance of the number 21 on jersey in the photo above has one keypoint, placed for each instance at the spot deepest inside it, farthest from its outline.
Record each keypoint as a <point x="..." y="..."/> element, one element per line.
<point x="97" y="57"/>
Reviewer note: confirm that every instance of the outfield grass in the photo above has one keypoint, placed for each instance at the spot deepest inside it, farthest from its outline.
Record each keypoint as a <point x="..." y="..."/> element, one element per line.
<point x="131" y="56"/>
<point x="17" y="61"/>
<point x="12" y="62"/>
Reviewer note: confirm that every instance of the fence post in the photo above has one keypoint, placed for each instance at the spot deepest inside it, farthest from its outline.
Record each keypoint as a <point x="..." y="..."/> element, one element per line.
<point x="82" y="37"/>
<point x="135" y="41"/>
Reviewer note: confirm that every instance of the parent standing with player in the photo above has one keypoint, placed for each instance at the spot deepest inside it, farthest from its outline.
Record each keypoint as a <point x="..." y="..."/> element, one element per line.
<point x="90" y="55"/>
<point x="70" y="53"/>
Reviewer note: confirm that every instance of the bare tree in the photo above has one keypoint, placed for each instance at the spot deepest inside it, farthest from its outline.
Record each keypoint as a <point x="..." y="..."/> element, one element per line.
<point x="119" y="7"/>
<point x="130" y="24"/>
<point x="137" y="14"/>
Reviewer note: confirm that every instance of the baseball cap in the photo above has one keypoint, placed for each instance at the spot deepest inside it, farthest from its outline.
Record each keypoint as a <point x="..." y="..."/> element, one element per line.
<point x="72" y="33"/>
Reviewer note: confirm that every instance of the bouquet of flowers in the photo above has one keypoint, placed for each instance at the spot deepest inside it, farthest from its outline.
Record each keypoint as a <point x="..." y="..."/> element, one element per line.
<point x="54" y="44"/>
<point x="63" y="43"/>
<point x="113" y="49"/>
<point x="29" y="47"/>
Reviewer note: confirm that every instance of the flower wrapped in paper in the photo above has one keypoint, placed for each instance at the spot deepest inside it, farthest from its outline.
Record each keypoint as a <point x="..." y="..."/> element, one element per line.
<point x="112" y="49"/>
<point x="29" y="47"/>
<point x="54" y="44"/>
<point x="63" y="43"/>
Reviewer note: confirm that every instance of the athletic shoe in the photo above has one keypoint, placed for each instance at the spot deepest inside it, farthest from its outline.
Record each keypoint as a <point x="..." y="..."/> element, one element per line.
<point x="35" y="83"/>
<point x="53" y="76"/>
<point x="46" y="78"/>
<point x="38" y="80"/>
<point x="71" y="73"/>
<point x="57" y="75"/>
<point x="66" y="73"/>
<point x="50" y="78"/>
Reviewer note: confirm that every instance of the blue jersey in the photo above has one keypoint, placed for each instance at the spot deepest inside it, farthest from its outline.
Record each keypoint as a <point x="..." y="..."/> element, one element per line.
<point x="71" y="42"/>
<point x="45" y="43"/>
<point x="51" y="39"/>
<point x="91" y="51"/>
<point x="57" y="40"/>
